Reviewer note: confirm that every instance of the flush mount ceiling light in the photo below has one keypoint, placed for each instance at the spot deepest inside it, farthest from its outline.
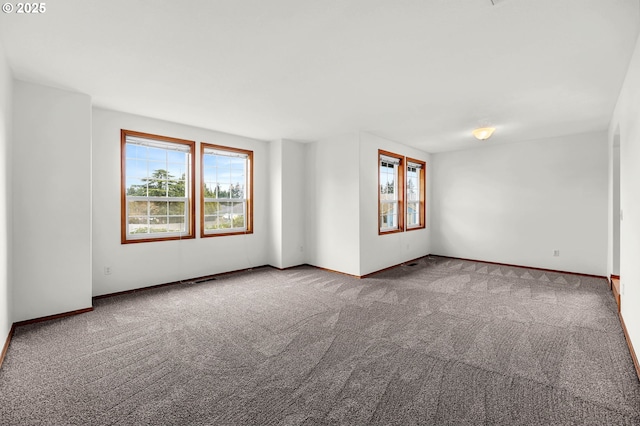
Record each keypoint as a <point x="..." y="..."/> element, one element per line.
<point x="483" y="133"/>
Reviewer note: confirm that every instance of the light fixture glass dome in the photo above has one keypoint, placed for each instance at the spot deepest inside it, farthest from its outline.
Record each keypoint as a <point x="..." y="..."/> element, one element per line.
<point x="483" y="133"/>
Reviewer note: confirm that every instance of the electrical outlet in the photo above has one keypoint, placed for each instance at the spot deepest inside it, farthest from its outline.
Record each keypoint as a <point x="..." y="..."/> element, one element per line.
<point x="556" y="252"/>
<point x="622" y="288"/>
<point x="107" y="270"/>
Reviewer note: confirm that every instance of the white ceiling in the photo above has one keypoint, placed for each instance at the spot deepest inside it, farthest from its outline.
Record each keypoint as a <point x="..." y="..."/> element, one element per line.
<point x="421" y="72"/>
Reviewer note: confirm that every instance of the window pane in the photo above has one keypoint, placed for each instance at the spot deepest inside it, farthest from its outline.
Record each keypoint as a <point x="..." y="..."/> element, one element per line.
<point x="237" y="213"/>
<point x="388" y="208"/>
<point x="389" y="221"/>
<point x="412" y="214"/>
<point x="157" y="170"/>
<point x="224" y="215"/>
<point x="157" y="154"/>
<point x="176" y="224"/>
<point x="237" y="174"/>
<point x="413" y="189"/>
<point x="158" y="220"/>
<point x="388" y="194"/>
<point x="136" y="168"/>
<point x="135" y="228"/>
<point x="135" y="151"/>
<point x="237" y="191"/>
<point x="210" y="222"/>
<point x="137" y="220"/>
<point x="138" y="217"/>
<point x="208" y="161"/>
<point x="209" y="175"/>
<point x="237" y="177"/>
<point x="211" y="208"/>
<point x="176" y="188"/>
<point x="158" y="225"/>
<point x="136" y="187"/>
<point x="138" y="208"/>
<point x="224" y="221"/>
<point x="177" y="208"/>
<point x="388" y="215"/>
<point x="236" y="208"/>
<point x="209" y="190"/>
<point x="223" y="190"/>
<point x="157" y="188"/>
<point x="223" y="162"/>
<point x="238" y="221"/>
<point x="176" y="157"/>
<point x="387" y="182"/>
<point x="176" y="171"/>
<point x="223" y="178"/>
<point x="158" y="208"/>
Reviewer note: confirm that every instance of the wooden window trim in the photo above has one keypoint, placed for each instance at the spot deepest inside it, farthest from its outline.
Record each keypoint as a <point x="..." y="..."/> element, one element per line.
<point x="423" y="192"/>
<point x="249" y="194"/>
<point x="123" y="187"/>
<point x="401" y="192"/>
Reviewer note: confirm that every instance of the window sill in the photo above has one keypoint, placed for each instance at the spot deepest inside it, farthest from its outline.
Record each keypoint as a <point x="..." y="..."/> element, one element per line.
<point x="154" y="239"/>
<point x="225" y="234"/>
<point x="391" y="231"/>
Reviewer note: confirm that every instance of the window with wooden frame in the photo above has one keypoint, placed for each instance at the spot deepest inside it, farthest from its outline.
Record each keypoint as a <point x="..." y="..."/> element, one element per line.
<point x="390" y="192"/>
<point x="415" y="194"/>
<point x="157" y="191"/>
<point x="226" y="191"/>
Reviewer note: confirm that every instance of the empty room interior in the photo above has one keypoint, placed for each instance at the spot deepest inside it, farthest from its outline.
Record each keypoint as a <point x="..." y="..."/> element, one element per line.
<point x="320" y="212"/>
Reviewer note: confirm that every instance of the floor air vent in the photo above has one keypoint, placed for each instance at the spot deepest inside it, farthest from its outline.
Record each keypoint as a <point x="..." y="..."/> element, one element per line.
<point x="202" y="280"/>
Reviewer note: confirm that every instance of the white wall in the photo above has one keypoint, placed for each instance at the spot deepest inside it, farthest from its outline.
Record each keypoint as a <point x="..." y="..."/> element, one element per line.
<point x="381" y="251"/>
<point x="51" y="202"/>
<point x="287" y="204"/>
<point x="516" y="203"/>
<point x="145" y="264"/>
<point x="6" y="221"/>
<point x="293" y="207"/>
<point x="310" y="215"/>
<point x="275" y="204"/>
<point x="625" y="118"/>
<point x="615" y="211"/>
<point x="332" y="182"/>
